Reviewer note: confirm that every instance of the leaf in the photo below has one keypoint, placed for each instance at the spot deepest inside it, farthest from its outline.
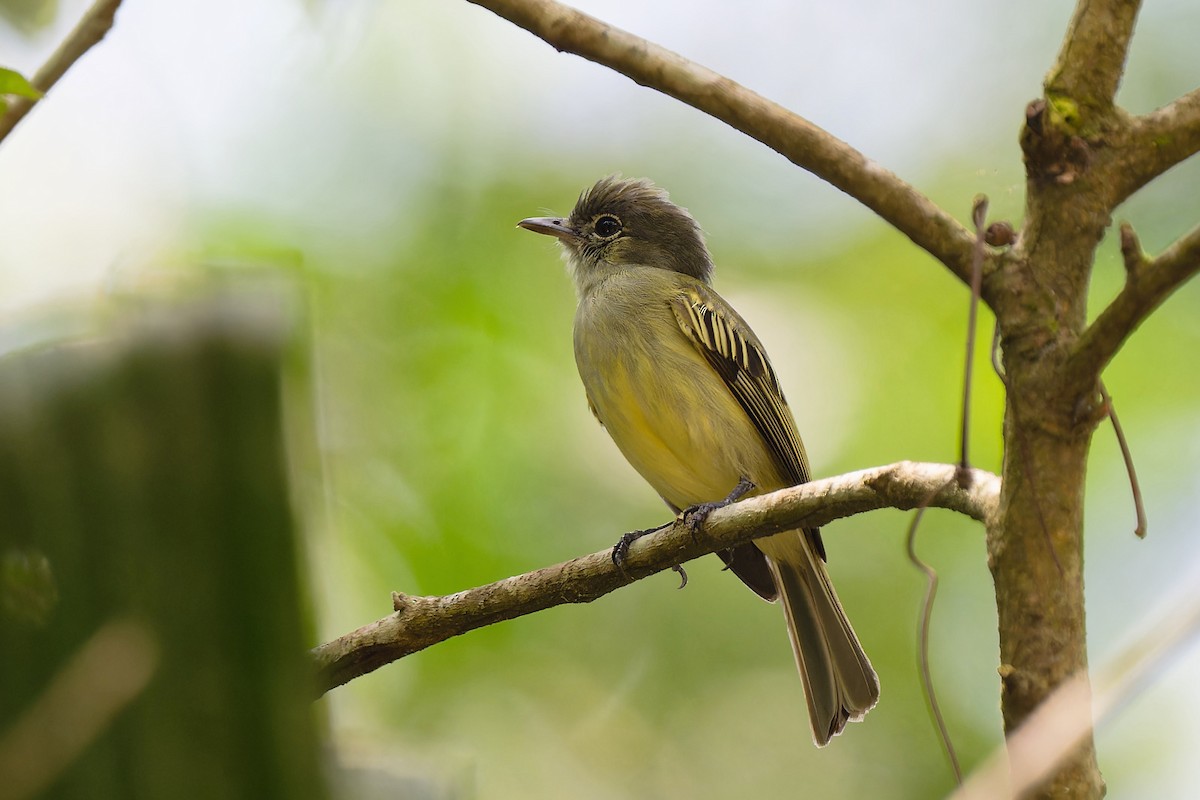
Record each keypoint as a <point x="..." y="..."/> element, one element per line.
<point x="15" y="83"/>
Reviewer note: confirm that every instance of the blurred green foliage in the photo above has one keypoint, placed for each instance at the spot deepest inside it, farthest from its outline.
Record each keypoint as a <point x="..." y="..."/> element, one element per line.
<point x="28" y="16"/>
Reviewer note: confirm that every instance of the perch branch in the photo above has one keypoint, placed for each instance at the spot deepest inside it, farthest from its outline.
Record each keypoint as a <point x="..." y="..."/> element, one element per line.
<point x="87" y="33"/>
<point x="1148" y="283"/>
<point x="794" y="137"/>
<point x="419" y="622"/>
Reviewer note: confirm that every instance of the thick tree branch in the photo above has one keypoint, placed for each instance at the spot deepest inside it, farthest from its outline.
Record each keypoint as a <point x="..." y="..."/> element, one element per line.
<point x="1092" y="58"/>
<point x="91" y="29"/>
<point x="1162" y="139"/>
<point x="420" y="622"/>
<point x="794" y="137"/>
<point x="1148" y="283"/>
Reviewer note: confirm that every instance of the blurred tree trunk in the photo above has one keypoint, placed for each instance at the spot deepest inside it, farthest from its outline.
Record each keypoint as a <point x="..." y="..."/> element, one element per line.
<point x="142" y="478"/>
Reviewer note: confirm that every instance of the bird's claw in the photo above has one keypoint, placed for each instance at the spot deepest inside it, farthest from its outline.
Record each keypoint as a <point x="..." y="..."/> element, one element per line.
<point x="620" y="552"/>
<point x="696" y="515"/>
<point x="693" y="518"/>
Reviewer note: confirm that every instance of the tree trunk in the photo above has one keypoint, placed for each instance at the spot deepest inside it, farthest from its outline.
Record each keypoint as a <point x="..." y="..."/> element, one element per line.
<point x="147" y="529"/>
<point x="1036" y="557"/>
<point x="1035" y="551"/>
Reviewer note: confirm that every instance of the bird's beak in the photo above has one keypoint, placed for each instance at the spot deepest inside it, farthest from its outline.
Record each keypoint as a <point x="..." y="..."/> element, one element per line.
<point x="553" y="226"/>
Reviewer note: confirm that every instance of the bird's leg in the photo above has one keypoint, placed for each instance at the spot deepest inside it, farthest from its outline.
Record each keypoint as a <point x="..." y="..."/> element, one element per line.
<point x="692" y="518"/>
<point x="695" y="516"/>
<point x="621" y="550"/>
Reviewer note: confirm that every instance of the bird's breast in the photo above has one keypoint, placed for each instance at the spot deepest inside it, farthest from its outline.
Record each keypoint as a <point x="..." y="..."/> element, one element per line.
<point x="667" y="410"/>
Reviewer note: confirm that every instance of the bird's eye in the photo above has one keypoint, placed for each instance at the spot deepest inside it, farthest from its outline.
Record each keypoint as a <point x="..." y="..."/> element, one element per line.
<point x="607" y="226"/>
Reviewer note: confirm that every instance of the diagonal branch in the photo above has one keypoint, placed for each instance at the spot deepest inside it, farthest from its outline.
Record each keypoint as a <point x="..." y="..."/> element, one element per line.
<point x="1092" y="58"/>
<point x="794" y="137"/>
<point x="1147" y="285"/>
<point x="88" y="32"/>
<point x="1162" y="139"/>
<point x="420" y="622"/>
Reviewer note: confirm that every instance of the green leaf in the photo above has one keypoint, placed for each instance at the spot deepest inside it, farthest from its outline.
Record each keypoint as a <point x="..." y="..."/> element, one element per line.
<point x="14" y="83"/>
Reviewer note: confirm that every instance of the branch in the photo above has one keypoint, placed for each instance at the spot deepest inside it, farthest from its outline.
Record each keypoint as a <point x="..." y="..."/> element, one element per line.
<point x="1092" y="58"/>
<point x="88" y="32"/>
<point x="794" y="137"/>
<point x="420" y="622"/>
<point x="1162" y="139"/>
<point x="1148" y="283"/>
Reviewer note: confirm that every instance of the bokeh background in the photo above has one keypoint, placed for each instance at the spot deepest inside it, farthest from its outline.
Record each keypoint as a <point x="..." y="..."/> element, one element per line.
<point x="380" y="153"/>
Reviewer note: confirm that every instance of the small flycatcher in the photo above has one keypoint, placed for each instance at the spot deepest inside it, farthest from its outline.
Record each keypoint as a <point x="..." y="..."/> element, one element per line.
<point x="685" y="389"/>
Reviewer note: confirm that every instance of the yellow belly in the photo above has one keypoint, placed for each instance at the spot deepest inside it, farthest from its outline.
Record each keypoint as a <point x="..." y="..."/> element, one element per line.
<point x="667" y="410"/>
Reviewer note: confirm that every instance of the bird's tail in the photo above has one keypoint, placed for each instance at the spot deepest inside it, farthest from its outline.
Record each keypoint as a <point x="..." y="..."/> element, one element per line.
<point x="839" y="682"/>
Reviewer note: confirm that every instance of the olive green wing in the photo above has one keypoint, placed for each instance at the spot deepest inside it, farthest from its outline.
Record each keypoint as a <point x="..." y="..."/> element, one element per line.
<point x="735" y="354"/>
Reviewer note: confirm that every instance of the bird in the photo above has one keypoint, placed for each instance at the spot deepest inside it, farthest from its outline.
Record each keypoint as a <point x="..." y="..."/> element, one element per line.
<point x="686" y="391"/>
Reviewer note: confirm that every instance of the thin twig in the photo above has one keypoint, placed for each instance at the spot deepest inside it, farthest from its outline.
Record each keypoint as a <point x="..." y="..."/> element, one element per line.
<point x="1138" y="506"/>
<point x="425" y="621"/>
<point x="1145" y="289"/>
<point x="96" y="22"/>
<point x="979" y="217"/>
<point x="797" y="139"/>
<point x="931" y="585"/>
<point x="962" y="477"/>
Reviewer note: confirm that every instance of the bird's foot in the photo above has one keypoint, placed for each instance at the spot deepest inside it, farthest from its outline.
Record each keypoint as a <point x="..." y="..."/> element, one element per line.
<point x="695" y="516"/>
<point x="620" y="552"/>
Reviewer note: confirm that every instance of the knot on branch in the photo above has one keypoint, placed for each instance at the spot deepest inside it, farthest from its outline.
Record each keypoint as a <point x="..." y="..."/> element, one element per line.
<point x="1054" y="152"/>
<point x="1000" y="234"/>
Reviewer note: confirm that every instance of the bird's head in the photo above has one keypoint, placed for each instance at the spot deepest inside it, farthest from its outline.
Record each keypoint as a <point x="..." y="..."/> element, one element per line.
<point x="623" y="223"/>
